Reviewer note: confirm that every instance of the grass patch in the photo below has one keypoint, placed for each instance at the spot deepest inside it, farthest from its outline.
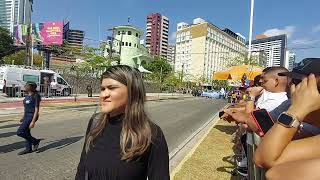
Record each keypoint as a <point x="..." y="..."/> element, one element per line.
<point x="213" y="158"/>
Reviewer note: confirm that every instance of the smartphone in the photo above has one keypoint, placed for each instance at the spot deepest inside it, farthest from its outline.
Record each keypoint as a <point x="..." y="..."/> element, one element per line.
<point x="221" y="113"/>
<point x="263" y="120"/>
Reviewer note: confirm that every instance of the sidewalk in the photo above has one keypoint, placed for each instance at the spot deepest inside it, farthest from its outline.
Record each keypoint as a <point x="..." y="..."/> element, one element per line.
<point x="211" y="158"/>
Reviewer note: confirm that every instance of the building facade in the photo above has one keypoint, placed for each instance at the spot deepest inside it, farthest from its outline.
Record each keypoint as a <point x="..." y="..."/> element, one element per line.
<point x="202" y="49"/>
<point x="126" y="44"/>
<point x="157" y="35"/>
<point x="14" y="12"/>
<point x="275" y="48"/>
<point x="73" y="38"/>
<point x="171" y="55"/>
<point x="290" y="60"/>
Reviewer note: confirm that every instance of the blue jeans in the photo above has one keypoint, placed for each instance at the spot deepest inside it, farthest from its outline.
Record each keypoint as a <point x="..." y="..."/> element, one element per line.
<point x="24" y="131"/>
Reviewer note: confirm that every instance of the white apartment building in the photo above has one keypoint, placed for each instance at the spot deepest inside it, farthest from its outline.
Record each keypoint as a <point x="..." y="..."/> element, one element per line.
<point x="290" y="60"/>
<point x="202" y="49"/>
<point x="13" y="12"/>
<point x="275" y="48"/>
<point x="171" y="55"/>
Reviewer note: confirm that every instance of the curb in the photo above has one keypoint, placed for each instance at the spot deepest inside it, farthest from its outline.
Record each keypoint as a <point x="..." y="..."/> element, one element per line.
<point x="215" y="120"/>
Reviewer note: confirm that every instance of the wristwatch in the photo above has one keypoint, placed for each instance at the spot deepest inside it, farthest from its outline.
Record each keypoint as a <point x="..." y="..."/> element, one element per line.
<point x="250" y="98"/>
<point x="288" y="120"/>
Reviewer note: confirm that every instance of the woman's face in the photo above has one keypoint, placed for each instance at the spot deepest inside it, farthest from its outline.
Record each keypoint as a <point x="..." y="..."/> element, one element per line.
<point x="113" y="96"/>
<point x="27" y="88"/>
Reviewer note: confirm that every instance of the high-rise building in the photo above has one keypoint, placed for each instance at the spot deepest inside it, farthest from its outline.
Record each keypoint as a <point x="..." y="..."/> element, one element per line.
<point x="202" y="49"/>
<point x="275" y="48"/>
<point x="73" y="38"/>
<point x="13" y="12"/>
<point x="171" y="55"/>
<point x="73" y="41"/>
<point x="157" y="35"/>
<point x="290" y="60"/>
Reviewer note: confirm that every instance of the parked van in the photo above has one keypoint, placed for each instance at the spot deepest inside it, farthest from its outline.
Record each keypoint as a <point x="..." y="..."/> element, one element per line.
<point x="13" y="79"/>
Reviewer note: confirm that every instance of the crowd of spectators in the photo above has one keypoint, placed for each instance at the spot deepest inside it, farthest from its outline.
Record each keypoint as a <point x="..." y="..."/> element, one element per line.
<point x="289" y="148"/>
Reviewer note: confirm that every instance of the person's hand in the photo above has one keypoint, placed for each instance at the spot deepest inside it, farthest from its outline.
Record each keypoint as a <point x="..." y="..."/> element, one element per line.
<point x="227" y="117"/>
<point x="31" y="125"/>
<point x="237" y="116"/>
<point x="255" y="91"/>
<point x="305" y="98"/>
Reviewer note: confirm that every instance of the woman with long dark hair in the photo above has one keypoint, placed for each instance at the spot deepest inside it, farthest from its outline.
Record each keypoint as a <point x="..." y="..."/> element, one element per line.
<point x="31" y="114"/>
<point x="122" y="143"/>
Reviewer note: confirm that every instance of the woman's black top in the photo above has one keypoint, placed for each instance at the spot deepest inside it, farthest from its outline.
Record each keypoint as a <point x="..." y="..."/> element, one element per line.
<point x="103" y="160"/>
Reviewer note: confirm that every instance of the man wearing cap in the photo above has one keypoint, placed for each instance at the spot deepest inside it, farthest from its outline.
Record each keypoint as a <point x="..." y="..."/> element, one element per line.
<point x="298" y="157"/>
<point x="31" y="114"/>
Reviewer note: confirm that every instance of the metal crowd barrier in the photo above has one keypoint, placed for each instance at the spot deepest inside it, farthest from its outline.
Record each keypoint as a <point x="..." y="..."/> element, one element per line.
<point x="254" y="172"/>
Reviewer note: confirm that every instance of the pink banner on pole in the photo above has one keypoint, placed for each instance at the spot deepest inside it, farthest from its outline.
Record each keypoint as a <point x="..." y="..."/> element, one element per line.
<point x="52" y="33"/>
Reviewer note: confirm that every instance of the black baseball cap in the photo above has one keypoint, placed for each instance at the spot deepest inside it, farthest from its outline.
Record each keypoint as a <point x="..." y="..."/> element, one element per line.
<point x="304" y="68"/>
<point x="32" y="84"/>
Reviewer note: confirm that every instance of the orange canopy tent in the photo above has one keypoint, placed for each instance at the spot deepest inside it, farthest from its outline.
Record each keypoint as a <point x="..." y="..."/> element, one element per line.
<point x="237" y="72"/>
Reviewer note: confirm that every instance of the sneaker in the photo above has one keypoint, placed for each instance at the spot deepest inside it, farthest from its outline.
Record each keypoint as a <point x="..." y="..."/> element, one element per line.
<point x="35" y="147"/>
<point x="24" y="152"/>
<point x="242" y="171"/>
<point x="243" y="163"/>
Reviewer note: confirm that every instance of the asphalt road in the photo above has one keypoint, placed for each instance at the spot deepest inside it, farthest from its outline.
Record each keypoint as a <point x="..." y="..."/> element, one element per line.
<point x="63" y="131"/>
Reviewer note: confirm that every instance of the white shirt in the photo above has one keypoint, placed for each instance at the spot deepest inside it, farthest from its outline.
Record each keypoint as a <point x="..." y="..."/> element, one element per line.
<point x="53" y="85"/>
<point x="270" y="101"/>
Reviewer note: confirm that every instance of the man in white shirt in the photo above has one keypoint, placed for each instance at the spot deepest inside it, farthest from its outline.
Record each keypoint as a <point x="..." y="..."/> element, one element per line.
<point x="272" y="93"/>
<point x="53" y="86"/>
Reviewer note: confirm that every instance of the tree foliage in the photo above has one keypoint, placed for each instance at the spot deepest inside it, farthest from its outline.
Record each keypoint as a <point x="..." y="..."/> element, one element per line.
<point x="18" y="58"/>
<point x="6" y="43"/>
<point x="160" y="69"/>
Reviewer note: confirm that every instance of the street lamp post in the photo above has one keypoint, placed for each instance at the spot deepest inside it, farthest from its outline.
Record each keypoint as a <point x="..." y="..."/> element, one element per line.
<point x="111" y="43"/>
<point x="251" y="27"/>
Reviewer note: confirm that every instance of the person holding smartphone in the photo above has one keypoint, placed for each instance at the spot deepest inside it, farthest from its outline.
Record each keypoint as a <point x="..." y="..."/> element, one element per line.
<point x="299" y="157"/>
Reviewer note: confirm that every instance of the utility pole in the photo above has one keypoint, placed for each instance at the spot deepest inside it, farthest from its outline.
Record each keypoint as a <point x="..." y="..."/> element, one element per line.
<point x="120" y="47"/>
<point x="27" y="58"/>
<point x="251" y="27"/>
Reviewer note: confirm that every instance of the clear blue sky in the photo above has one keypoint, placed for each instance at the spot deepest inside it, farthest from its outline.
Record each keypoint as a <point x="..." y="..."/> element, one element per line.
<point x="299" y="19"/>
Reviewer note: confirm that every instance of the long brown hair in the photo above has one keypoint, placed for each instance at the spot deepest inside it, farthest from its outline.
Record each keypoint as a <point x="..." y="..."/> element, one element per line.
<point x="136" y="127"/>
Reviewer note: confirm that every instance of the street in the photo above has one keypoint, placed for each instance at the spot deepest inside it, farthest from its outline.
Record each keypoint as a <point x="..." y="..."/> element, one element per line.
<point x="63" y="134"/>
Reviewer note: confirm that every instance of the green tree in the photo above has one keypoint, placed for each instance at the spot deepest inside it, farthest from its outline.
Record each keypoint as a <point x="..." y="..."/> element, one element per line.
<point x="18" y="58"/>
<point x="220" y="83"/>
<point x="6" y="43"/>
<point x="160" y="69"/>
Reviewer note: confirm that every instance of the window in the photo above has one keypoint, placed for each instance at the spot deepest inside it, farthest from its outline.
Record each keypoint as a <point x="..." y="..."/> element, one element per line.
<point x="129" y="44"/>
<point x="118" y="32"/>
<point x="122" y="43"/>
<point x="126" y="43"/>
<point x="123" y="32"/>
<point x="30" y="78"/>
<point x="61" y="81"/>
<point x="137" y="34"/>
<point x="129" y="32"/>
